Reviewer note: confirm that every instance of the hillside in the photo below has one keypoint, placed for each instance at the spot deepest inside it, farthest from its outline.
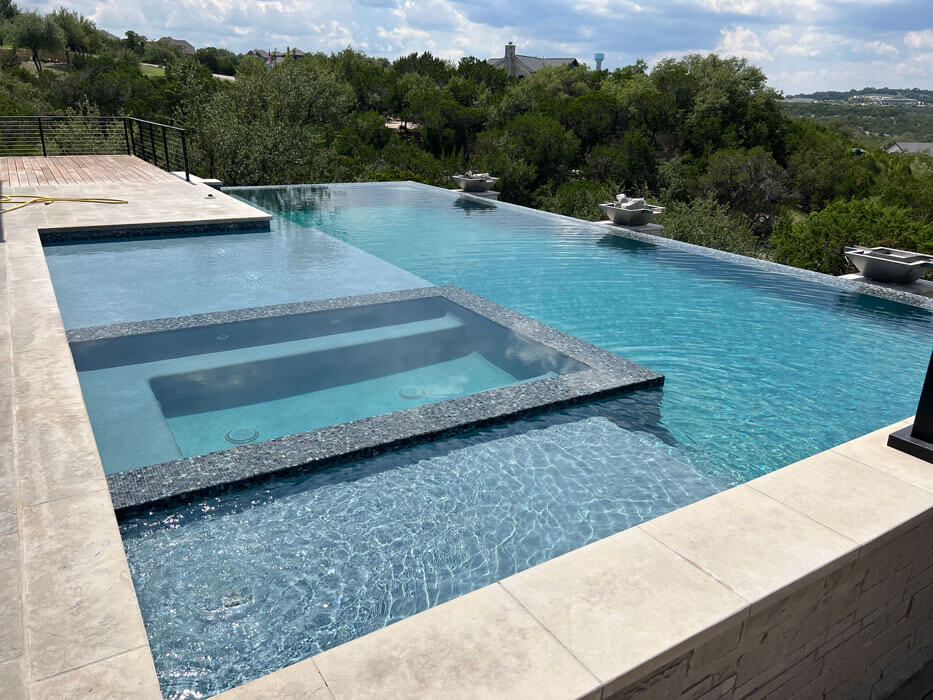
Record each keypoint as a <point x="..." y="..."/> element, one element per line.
<point x="834" y="96"/>
<point x="869" y="125"/>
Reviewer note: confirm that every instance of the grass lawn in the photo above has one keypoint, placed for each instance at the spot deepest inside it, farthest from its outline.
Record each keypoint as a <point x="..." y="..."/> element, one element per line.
<point x="152" y="71"/>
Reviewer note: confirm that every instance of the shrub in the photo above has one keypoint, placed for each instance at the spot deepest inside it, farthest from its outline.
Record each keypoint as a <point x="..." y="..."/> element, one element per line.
<point x="706" y="222"/>
<point x="580" y="199"/>
<point x="816" y="242"/>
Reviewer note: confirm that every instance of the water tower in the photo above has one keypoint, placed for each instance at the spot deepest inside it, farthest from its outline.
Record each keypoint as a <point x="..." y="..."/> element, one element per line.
<point x="599" y="60"/>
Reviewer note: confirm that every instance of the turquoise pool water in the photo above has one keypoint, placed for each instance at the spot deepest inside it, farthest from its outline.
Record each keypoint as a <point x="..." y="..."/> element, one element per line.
<point x="760" y="365"/>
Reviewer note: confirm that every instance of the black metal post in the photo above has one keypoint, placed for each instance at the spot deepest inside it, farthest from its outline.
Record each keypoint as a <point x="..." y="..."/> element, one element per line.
<point x="155" y="160"/>
<point x="168" y="165"/>
<point x="132" y="139"/>
<point x="917" y="439"/>
<point x="184" y="152"/>
<point x="126" y="137"/>
<point x="42" y="136"/>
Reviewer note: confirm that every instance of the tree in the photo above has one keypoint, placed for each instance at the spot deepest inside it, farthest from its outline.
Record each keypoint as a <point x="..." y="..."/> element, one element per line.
<point x="134" y="43"/>
<point x="823" y="167"/>
<point x="749" y="181"/>
<point x="37" y="33"/>
<point x="220" y="61"/>
<point x="436" y="69"/>
<point x="110" y="84"/>
<point x="8" y="10"/>
<point x="79" y="32"/>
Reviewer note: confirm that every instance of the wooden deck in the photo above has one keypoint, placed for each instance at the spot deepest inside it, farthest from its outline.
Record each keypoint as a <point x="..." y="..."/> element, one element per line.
<point x="32" y="171"/>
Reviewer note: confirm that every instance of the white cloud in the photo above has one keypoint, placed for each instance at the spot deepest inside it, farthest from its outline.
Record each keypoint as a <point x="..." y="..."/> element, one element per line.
<point x="882" y="49"/>
<point x="803" y="45"/>
<point x="922" y="39"/>
<point x="742" y="43"/>
<point x="616" y="9"/>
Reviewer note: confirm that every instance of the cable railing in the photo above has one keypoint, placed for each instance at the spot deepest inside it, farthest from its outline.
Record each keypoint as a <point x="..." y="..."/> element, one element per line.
<point x="160" y="144"/>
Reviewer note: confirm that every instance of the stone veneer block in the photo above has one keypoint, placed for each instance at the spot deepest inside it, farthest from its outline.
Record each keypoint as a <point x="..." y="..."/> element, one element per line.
<point x="859" y="502"/>
<point x="624" y="601"/>
<point x="750" y="542"/>
<point x="295" y="682"/>
<point x="872" y="450"/>
<point x="75" y="554"/>
<point x="481" y="645"/>
<point x="128" y="675"/>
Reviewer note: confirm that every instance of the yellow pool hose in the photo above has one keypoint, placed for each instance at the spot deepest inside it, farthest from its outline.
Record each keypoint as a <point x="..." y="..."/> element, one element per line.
<point x="21" y="200"/>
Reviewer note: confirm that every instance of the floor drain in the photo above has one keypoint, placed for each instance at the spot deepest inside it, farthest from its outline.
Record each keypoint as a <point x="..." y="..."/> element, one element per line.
<point x="240" y="436"/>
<point x="223" y="336"/>
<point x="412" y="392"/>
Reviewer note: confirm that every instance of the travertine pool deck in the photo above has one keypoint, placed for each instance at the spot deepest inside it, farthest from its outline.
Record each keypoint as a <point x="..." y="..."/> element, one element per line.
<point x="813" y="579"/>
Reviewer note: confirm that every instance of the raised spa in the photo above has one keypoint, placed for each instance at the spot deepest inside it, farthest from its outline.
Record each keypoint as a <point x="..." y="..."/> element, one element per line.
<point x="157" y="397"/>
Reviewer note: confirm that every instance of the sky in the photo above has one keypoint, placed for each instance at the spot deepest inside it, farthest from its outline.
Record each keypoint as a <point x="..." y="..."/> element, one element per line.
<point x="802" y="45"/>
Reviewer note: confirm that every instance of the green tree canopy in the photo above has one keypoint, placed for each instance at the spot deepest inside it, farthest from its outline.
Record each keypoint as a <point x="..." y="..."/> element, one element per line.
<point x="8" y="10"/>
<point x="80" y="34"/>
<point x="36" y="32"/>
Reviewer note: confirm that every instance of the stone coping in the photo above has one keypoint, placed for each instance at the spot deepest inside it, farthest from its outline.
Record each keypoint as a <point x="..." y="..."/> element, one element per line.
<point x="606" y="374"/>
<point x="579" y="625"/>
<point x="70" y="623"/>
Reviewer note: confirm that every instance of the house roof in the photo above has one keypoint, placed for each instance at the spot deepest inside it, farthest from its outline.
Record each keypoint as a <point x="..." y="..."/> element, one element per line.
<point x="185" y="46"/>
<point x="532" y="63"/>
<point x="912" y="147"/>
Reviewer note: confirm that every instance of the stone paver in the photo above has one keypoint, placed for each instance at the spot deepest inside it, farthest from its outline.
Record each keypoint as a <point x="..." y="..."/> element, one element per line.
<point x="481" y="645"/>
<point x="859" y="502"/>
<point x="622" y="601"/>
<point x="80" y="604"/>
<point x="750" y="542"/>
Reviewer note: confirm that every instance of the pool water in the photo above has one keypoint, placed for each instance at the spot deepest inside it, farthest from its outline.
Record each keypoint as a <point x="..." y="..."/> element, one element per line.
<point x="238" y="586"/>
<point x="762" y="368"/>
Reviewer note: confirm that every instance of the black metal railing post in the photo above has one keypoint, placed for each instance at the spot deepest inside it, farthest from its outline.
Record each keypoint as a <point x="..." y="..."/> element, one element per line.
<point x="131" y="137"/>
<point x="126" y="137"/>
<point x="42" y="137"/>
<point x="917" y="439"/>
<point x="155" y="159"/>
<point x="165" y="148"/>
<point x="184" y="153"/>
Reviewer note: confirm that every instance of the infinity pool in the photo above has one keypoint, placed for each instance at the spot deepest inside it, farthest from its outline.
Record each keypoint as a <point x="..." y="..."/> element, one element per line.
<point x="758" y="364"/>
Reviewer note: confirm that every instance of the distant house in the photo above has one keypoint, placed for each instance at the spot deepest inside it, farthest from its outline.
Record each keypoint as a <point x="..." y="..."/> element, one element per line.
<point x="186" y="47"/>
<point x="911" y="147"/>
<point x="275" y="57"/>
<point x="519" y="66"/>
<point x="800" y="100"/>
